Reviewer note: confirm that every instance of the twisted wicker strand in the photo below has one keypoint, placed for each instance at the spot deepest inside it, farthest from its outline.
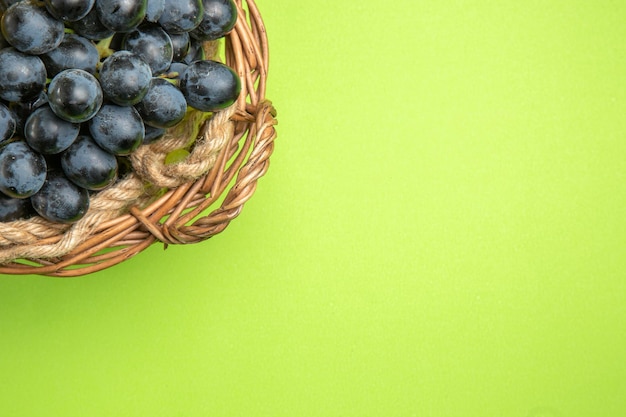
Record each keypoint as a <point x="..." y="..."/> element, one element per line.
<point x="149" y="160"/>
<point x="28" y="231"/>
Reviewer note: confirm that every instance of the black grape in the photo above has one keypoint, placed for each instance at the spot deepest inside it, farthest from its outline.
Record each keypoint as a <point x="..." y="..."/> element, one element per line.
<point x="219" y="18"/>
<point x="117" y="129"/>
<point x="180" y="45"/>
<point x="195" y="52"/>
<point x="14" y="208"/>
<point x="75" y="95"/>
<point x="176" y="70"/>
<point x="153" y="45"/>
<point x="74" y="51"/>
<point x="69" y="10"/>
<point x="163" y="106"/>
<point x="154" y="10"/>
<point x="88" y="165"/>
<point x="121" y="15"/>
<point x="125" y="78"/>
<point x="31" y="29"/>
<point x="23" y="109"/>
<point x="48" y="134"/>
<point x="8" y="123"/>
<point x="181" y="15"/>
<point x="60" y="200"/>
<point x="22" y="77"/>
<point x="22" y="170"/>
<point x="91" y="27"/>
<point x="153" y="133"/>
<point x="209" y="85"/>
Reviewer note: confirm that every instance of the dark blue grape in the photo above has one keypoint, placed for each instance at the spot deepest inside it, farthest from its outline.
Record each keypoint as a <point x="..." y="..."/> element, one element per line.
<point x="153" y="133"/>
<point x="22" y="77"/>
<point x="219" y="18"/>
<point x="75" y="95"/>
<point x="74" y="51"/>
<point x="180" y="45"/>
<point x="163" y="106"/>
<point x="181" y="15"/>
<point x="48" y="134"/>
<point x="91" y="27"/>
<point x="210" y="85"/>
<point x="153" y="45"/>
<point x="88" y="165"/>
<point x="176" y="70"/>
<point x="8" y="123"/>
<point x="154" y="10"/>
<point x="195" y="52"/>
<point x="23" y="109"/>
<point x="22" y="170"/>
<point x="31" y="29"/>
<point x="69" y="10"/>
<point x="60" y="200"/>
<point x="14" y="208"/>
<point x="118" y="130"/>
<point x="121" y="15"/>
<point x="125" y="78"/>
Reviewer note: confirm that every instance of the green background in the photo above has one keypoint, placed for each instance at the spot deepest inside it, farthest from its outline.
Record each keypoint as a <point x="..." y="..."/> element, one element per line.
<point x="442" y="232"/>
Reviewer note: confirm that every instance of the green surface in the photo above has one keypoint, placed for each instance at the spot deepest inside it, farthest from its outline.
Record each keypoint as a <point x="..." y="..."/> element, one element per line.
<point x="442" y="232"/>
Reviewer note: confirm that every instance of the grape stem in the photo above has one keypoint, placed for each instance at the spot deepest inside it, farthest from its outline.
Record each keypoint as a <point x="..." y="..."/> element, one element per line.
<point x="104" y="48"/>
<point x="171" y="77"/>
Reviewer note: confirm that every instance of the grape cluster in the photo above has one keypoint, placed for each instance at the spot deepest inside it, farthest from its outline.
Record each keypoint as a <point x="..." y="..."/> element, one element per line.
<point x="83" y="83"/>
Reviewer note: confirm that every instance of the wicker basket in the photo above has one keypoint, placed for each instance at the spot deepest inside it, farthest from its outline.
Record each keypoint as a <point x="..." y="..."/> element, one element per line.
<point x="196" y="199"/>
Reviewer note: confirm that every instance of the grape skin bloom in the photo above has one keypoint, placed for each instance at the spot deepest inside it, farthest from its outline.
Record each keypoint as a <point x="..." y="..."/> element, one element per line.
<point x="22" y="77"/>
<point x="60" y="201"/>
<point x="14" y="208"/>
<point x="125" y="78"/>
<point x="75" y="95"/>
<point x="48" y="134"/>
<point x="181" y="15"/>
<point x="117" y="129"/>
<point x="121" y="15"/>
<point x="163" y="106"/>
<point x="220" y="16"/>
<point x="88" y="165"/>
<point x="22" y="170"/>
<point x="210" y="85"/>
<point x="153" y="45"/>
<point x="8" y="123"/>
<point x="74" y="51"/>
<point x="154" y="10"/>
<point x="31" y="29"/>
<point x="91" y="27"/>
<point x="69" y="10"/>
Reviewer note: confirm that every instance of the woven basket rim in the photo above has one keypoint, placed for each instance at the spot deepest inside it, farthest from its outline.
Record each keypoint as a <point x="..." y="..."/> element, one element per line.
<point x="187" y="213"/>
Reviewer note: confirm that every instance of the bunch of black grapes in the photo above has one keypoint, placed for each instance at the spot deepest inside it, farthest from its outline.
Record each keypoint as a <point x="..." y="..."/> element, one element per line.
<point x="83" y="83"/>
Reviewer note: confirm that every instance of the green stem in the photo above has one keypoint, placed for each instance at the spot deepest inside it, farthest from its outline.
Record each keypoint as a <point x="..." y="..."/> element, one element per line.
<point x="104" y="48"/>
